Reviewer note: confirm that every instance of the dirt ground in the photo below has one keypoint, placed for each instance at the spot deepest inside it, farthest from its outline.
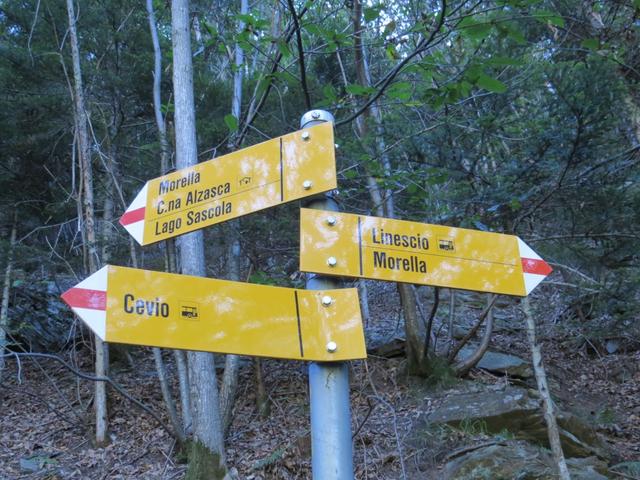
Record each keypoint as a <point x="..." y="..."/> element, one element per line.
<point x="46" y="415"/>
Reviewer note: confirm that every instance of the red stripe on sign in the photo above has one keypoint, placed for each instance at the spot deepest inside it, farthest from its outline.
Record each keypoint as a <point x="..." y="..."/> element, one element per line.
<point x="132" y="216"/>
<point x="533" y="265"/>
<point x="85" y="298"/>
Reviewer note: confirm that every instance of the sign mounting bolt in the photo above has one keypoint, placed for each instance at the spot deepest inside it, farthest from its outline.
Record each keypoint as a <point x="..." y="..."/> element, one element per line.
<point x="332" y="262"/>
<point x="307" y="184"/>
<point x="331" y="220"/>
<point x="306" y="136"/>
<point x="332" y="347"/>
<point x="327" y="300"/>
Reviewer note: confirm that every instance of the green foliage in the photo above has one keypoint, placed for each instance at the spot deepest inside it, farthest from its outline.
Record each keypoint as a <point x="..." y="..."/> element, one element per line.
<point x="231" y="122"/>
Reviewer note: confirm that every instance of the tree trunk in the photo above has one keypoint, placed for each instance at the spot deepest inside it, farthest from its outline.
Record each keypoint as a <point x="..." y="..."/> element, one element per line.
<point x="206" y="459"/>
<point x="466" y="364"/>
<point x="169" y="247"/>
<point x="167" y="396"/>
<point x="4" y="307"/>
<point x="232" y="362"/>
<point x="541" y="379"/>
<point x="100" y="402"/>
<point x="383" y="200"/>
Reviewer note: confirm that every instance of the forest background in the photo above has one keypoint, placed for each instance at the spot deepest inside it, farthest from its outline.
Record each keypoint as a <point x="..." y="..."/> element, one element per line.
<point x="521" y="117"/>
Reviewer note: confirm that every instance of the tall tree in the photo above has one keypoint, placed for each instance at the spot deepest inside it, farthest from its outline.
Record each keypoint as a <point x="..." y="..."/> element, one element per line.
<point x="207" y="453"/>
<point x="84" y="155"/>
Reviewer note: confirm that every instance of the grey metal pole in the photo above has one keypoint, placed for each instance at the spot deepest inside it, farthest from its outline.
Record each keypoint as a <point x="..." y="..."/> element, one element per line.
<point x="331" y="445"/>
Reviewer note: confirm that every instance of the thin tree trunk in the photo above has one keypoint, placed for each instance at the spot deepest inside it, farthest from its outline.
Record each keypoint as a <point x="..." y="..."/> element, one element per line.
<point x="452" y="315"/>
<point x="463" y="367"/>
<point x="263" y="405"/>
<point x="4" y="307"/>
<point x="206" y="459"/>
<point x="232" y="362"/>
<point x="541" y="379"/>
<point x="185" y="390"/>
<point x="167" y="396"/>
<point x="100" y="402"/>
<point x="107" y="216"/>
<point x="364" y="301"/>
<point x="169" y="247"/>
<point x="382" y="199"/>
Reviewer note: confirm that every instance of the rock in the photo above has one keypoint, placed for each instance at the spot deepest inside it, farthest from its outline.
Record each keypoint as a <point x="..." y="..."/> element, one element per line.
<point x="38" y="318"/>
<point x="390" y="349"/>
<point x="501" y="363"/>
<point x="496" y="362"/>
<point x="511" y="409"/>
<point x="517" y="459"/>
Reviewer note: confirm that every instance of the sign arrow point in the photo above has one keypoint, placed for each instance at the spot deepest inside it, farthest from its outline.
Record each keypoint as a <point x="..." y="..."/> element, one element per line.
<point x="88" y="300"/>
<point x="534" y="268"/>
<point x="133" y="218"/>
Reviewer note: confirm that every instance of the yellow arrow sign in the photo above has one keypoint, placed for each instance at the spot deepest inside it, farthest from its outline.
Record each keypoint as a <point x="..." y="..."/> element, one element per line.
<point x="410" y="252"/>
<point x="280" y="170"/>
<point x="140" y="307"/>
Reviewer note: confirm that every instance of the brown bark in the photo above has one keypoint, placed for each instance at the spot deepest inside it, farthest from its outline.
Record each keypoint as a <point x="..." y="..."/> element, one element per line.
<point x="4" y="306"/>
<point x="84" y="151"/>
<point x="208" y="448"/>
<point x="543" y="388"/>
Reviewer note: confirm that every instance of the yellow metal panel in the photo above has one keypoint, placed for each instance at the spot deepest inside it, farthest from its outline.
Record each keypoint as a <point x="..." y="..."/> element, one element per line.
<point x="194" y="313"/>
<point x="410" y="252"/>
<point x="240" y="183"/>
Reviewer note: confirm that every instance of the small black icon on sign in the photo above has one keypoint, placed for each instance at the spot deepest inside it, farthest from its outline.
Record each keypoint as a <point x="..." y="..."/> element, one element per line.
<point x="189" y="310"/>
<point x="446" y="244"/>
<point x="244" y="181"/>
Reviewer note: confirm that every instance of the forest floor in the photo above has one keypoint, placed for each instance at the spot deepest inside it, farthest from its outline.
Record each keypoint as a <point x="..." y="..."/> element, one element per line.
<point x="46" y="420"/>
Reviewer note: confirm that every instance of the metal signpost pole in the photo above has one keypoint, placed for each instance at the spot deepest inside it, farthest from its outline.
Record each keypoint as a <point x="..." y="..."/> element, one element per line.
<point x="331" y="445"/>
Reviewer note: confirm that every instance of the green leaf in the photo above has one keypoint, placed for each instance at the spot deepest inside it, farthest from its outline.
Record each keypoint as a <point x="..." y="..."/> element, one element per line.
<point x="371" y="13"/>
<point x="314" y="29"/>
<point x="590" y="43"/>
<point x="350" y="174"/>
<point x="503" y="61"/>
<point x="231" y="122"/>
<point x="391" y="52"/>
<point x="246" y="18"/>
<point x="474" y="30"/>
<point x="389" y="28"/>
<point x="284" y="49"/>
<point x="491" y="84"/>
<point x="355" y="89"/>
<point x="546" y="16"/>
<point x="515" y="204"/>
<point x="329" y="93"/>
<point x="636" y="3"/>
<point x="509" y="31"/>
<point x="400" y="91"/>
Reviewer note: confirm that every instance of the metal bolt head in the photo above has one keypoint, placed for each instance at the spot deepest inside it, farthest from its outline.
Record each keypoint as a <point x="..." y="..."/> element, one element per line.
<point x="315" y="117"/>
<point x="331" y="220"/>
<point x="332" y="347"/>
<point x="306" y="136"/>
<point x="307" y="184"/>
<point x="332" y="261"/>
<point x="327" y="300"/>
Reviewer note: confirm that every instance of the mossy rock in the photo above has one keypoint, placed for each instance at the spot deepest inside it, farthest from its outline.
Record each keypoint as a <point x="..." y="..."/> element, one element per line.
<point x="517" y="460"/>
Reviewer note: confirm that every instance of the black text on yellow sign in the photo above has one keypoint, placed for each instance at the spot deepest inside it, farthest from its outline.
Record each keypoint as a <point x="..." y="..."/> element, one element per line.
<point x="140" y="307"/>
<point x="277" y="171"/>
<point x="411" y="252"/>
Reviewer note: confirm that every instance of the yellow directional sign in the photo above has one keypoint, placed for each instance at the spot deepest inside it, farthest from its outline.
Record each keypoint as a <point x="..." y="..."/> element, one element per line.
<point x="140" y="307"/>
<point x="410" y="252"/>
<point x="280" y="170"/>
